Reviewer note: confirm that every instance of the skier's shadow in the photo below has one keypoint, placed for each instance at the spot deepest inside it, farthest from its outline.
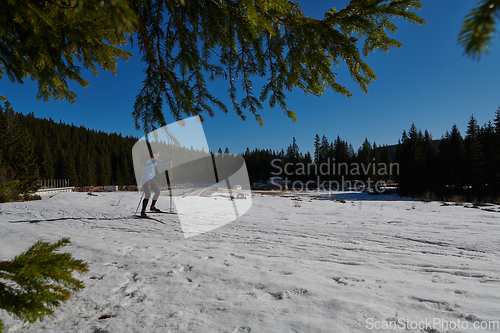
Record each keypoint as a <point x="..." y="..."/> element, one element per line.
<point x="72" y="218"/>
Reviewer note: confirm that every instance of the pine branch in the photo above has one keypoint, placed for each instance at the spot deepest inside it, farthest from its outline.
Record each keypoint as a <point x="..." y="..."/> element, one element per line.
<point x="479" y="27"/>
<point x="52" y="41"/>
<point x="37" y="281"/>
<point x="274" y="40"/>
<point x="42" y="40"/>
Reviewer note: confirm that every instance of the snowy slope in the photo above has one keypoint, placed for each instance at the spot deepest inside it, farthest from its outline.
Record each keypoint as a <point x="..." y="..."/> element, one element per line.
<point x="309" y="265"/>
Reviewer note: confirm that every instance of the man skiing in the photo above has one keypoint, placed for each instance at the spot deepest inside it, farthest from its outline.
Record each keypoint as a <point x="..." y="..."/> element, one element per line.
<point x="150" y="183"/>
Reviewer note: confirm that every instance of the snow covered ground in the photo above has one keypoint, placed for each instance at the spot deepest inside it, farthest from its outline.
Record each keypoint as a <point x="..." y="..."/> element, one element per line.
<point x="291" y="264"/>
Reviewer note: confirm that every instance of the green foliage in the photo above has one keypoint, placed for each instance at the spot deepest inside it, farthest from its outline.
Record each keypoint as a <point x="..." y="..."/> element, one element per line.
<point x="10" y="135"/>
<point x="17" y="154"/>
<point x="50" y="41"/>
<point x="479" y="27"/>
<point x="453" y="165"/>
<point x="5" y="190"/>
<point x="416" y="155"/>
<point x="185" y="43"/>
<point x="27" y="168"/>
<point x="334" y="161"/>
<point x="473" y="152"/>
<point x="60" y="152"/>
<point x="37" y="281"/>
<point x="452" y="158"/>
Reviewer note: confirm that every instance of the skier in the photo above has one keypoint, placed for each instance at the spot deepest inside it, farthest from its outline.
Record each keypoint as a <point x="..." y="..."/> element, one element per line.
<point x="150" y="183"/>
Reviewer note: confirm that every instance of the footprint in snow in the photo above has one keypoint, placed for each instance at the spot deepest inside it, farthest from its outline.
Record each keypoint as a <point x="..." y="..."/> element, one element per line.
<point x="439" y="305"/>
<point x="179" y="269"/>
<point x="237" y="256"/>
<point x="278" y="296"/>
<point x="346" y="279"/>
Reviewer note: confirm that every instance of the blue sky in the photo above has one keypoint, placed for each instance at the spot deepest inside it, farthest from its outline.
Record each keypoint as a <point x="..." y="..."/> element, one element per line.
<point x="428" y="81"/>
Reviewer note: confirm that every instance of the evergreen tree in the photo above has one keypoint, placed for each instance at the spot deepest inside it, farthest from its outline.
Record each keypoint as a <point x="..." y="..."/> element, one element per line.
<point x="80" y="163"/>
<point x="123" y="170"/>
<point x="58" y="160"/>
<point x="10" y="138"/>
<point x="37" y="281"/>
<point x="317" y="149"/>
<point x="324" y="150"/>
<point x="350" y="151"/>
<point x="411" y="158"/>
<point x="292" y="158"/>
<point x="27" y="168"/>
<point x="430" y="163"/>
<point x="19" y="160"/>
<point x="496" y="121"/>
<point x="386" y="161"/>
<point x="292" y="153"/>
<point x="489" y="138"/>
<point x="47" y="167"/>
<point x="365" y="158"/>
<point x="69" y="167"/>
<point x="307" y="161"/>
<point x="103" y="170"/>
<point x="91" y="168"/>
<point x="473" y="157"/>
<point x="452" y="159"/>
<point x="3" y="176"/>
<point x="341" y="151"/>
<point x="489" y="168"/>
<point x="341" y="155"/>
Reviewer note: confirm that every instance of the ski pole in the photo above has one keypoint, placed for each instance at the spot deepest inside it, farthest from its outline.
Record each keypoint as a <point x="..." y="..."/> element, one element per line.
<point x="170" y="208"/>
<point x="170" y="183"/>
<point x="139" y="203"/>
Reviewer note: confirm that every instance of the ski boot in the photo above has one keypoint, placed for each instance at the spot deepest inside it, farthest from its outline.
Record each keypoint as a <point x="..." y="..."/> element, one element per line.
<point x="154" y="209"/>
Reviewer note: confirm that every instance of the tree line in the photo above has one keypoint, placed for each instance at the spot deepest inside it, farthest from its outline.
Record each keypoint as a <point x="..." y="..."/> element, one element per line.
<point x="419" y="165"/>
<point x="32" y="149"/>
<point x="332" y="161"/>
<point x="464" y="165"/>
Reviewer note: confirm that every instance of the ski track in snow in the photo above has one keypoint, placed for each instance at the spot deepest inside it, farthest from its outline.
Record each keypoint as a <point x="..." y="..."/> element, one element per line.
<point x="325" y="266"/>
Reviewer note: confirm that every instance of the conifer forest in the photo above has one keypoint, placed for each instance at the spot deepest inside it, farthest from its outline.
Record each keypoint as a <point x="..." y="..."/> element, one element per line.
<point x="33" y="149"/>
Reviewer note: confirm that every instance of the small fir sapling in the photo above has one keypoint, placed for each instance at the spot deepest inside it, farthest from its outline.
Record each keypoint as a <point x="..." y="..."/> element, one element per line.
<point x="39" y="280"/>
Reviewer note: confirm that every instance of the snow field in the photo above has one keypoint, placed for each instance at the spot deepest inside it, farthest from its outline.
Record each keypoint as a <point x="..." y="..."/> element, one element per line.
<point x="320" y="266"/>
